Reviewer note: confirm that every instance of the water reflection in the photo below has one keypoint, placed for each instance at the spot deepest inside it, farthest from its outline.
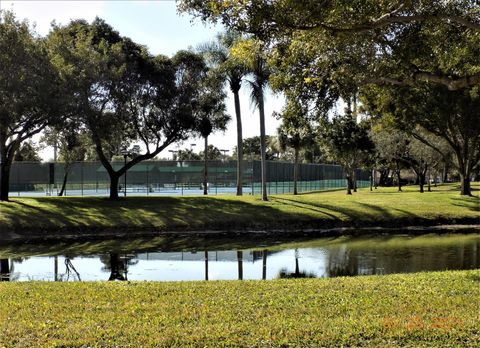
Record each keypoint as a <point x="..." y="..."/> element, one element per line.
<point x="4" y="270"/>
<point x="118" y="265"/>
<point x="285" y="274"/>
<point x="331" y="257"/>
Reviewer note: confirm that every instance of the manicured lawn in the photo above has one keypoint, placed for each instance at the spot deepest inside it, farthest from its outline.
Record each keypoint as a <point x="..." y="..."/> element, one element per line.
<point x="424" y="309"/>
<point x="384" y="206"/>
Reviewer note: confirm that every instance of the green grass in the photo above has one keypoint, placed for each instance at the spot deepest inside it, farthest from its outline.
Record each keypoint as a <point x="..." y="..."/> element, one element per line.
<point x="384" y="206"/>
<point x="423" y="309"/>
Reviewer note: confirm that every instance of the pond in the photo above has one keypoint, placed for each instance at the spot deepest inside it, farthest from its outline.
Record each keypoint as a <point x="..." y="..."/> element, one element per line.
<point x="179" y="258"/>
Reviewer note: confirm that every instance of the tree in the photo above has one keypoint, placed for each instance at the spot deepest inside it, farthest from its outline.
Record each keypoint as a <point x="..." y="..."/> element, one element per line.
<point x="211" y="115"/>
<point x="72" y="143"/>
<point x="188" y="155"/>
<point x="251" y="148"/>
<point x="28" y="152"/>
<point x="121" y="92"/>
<point x="295" y="132"/>
<point x="347" y="142"/>
<point x="383" y="42"/>
<point x="213" y="153"/>
<point x="29" y="91"/>
<point x="218" y="55"/>
<point x="251" y="53"/>
<point x="391" y="147"/>
<point x="449" y="115"/>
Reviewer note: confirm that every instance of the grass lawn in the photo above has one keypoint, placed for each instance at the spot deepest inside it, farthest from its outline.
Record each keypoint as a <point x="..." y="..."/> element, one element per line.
<point x="384" y="206"/>
<point x="423" y="309"/>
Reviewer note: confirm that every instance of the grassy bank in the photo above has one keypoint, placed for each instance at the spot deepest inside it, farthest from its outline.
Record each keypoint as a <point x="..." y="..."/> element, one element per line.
<point x="424" y="309"/>
<point x="385" y="206"/>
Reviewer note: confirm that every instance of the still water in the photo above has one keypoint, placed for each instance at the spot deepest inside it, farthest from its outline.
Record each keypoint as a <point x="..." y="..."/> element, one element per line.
<point x="200" y="258"/>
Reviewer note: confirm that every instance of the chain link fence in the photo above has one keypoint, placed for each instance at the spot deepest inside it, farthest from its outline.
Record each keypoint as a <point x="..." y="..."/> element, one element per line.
<point x="174" y="178"/>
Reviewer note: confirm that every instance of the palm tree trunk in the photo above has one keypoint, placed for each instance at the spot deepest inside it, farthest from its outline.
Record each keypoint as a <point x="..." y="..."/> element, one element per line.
<point x="263" y="147"/>
<point x="239" y="144"/>
<point x="295" y="172"/>
<point x="205" y="167"/>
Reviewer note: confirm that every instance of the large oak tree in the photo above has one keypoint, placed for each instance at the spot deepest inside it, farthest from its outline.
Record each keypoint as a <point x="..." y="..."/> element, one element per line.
<point x="30" y="90"/>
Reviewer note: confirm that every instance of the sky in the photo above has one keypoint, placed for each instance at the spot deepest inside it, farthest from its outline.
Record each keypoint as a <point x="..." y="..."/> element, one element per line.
<point x="157" y="25"/>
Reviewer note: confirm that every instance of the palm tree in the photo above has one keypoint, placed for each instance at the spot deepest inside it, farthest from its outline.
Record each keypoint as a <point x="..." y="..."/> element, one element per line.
<point x="295" y="132"/>
<point x="260" y="73"/>
<point x="217" y="54"/>
<point x="212" y="117"/>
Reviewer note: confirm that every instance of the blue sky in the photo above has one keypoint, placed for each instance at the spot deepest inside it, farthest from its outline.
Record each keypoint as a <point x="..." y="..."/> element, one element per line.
<point x="157" y="25"/>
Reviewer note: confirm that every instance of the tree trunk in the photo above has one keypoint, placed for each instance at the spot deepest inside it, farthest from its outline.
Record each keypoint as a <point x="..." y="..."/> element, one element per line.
<point x="4" y="180"/>
<point x="67" y="168"/>
<point x="429" y="187"/>
<point x="4" y="270"/>
<point x="295" y="172"/>
<point x="354" y="180"/>
<point x="264" y="265"/>
<point x="465" y="189"/>
<point x="263" y="148"/>
<point x="64" y="184"/>
<point x="445" y="173"/>
<point x="372" y="178"/>
<point x="349" y="184"/>
<point x="239" y="144"/>
<point x="205" y="167"/>
<point x="206" y="265"/>
<point x="399" y="178"/>
<point x="240" y="264"/>
<point x="114" y="178"/>
<point x="421" y="181"/>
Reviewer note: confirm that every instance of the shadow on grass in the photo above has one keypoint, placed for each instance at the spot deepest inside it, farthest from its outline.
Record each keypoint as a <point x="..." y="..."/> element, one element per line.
<point x="140" y="212"/>
<point x="358" y="212"/>
<point x="472" y="203"/>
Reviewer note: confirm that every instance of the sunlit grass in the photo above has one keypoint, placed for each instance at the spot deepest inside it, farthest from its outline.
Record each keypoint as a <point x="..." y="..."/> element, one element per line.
<point x="384" y="206"/>
<point x="424" y="309"/>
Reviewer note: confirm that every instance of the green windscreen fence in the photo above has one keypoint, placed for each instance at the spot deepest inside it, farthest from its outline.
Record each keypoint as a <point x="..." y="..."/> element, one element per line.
<point x="175" y="178"/>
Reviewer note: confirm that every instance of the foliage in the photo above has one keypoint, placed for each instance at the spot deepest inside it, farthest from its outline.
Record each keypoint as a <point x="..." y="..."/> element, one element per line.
<point x="360" y="42"/>
<point x="348" y="142"/>
<point x="187" y="155"/>
<point x="354" y="311"/>
<point x="122" y="94"/>
<point x="232" y="70"/>
<point x="28" y="152"/>
<point x="449" y="115"/>
<point x="29" y="91"/>
<point x="252" y="54"/>
<point x="251" y="148"/>
<point x="213" y="152"/>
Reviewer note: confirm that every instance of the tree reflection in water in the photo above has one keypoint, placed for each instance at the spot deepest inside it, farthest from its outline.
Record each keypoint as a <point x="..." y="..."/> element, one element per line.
<point x="284" y="274"/>
<point x="70" y="270"/>
<point x="4" y="270"/>
<point x="118" y="265"/>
